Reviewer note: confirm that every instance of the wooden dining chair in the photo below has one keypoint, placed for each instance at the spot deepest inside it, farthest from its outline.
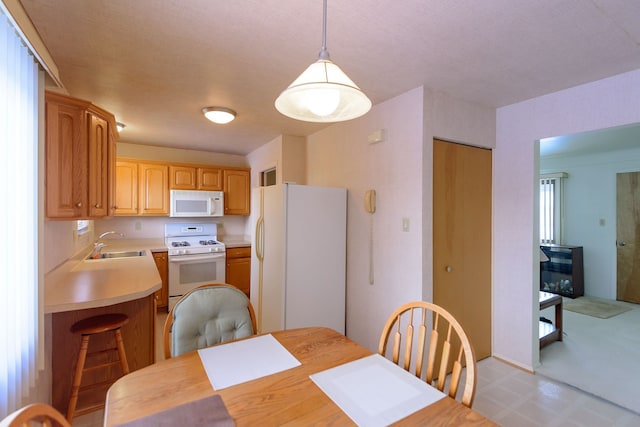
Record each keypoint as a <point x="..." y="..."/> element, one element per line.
<point x="35" y="414"/>
<point x="423" y="332"/>
<point x="208" y="315"/>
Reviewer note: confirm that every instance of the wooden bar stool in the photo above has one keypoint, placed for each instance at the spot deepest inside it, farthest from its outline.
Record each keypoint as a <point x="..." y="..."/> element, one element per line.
<point x="87" y="328"/>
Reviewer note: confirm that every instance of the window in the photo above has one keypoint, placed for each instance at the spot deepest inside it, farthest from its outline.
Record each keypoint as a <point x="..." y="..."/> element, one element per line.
<point x="20" y="317"/>
<point x="551" y="208"/>
<point x="82" y="226"/>
<point x="268" y="177"/>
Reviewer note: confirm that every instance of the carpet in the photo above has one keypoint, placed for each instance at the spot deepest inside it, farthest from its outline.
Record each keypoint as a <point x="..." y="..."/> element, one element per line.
<point x="596" y="307"/>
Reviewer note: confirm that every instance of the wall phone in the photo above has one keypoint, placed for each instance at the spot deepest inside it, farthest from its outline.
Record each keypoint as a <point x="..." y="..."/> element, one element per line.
<point x="370" y="201"/>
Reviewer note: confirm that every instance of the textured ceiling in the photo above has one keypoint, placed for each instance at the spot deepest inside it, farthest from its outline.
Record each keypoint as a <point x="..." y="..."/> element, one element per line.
<point x="156" y="63"/>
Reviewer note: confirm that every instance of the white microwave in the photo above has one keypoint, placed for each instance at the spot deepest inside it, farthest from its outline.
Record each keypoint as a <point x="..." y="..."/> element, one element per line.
<point x="195" y="203"/>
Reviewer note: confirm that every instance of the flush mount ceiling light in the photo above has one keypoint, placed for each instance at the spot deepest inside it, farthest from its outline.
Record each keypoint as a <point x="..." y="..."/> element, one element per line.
<point x="219" y="115"/>
<point x="323" y="92"/>
<point x="120" y="126"/>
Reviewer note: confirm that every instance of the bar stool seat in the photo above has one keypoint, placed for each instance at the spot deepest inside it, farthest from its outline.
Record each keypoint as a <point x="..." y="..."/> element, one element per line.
<point x="111" y="322"/>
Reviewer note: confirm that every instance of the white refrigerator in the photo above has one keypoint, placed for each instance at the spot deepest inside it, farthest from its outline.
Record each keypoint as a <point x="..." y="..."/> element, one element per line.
<point x="298" y="259"/>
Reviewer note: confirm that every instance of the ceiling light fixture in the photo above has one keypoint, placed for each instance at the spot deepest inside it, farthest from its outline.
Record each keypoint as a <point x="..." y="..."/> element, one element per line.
<point x="219" y="115"/>
<point x="120" y="126"/>
<point x="323" y="92"/>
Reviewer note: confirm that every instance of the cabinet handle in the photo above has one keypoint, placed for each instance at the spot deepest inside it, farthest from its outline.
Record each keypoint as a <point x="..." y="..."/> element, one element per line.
<point x="79" y="205"/>
<point x="97" y="205"/>
<point x="448" y="269"/>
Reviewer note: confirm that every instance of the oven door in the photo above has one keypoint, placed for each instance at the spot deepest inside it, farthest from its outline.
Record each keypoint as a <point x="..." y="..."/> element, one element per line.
<point x="188" y="271"/>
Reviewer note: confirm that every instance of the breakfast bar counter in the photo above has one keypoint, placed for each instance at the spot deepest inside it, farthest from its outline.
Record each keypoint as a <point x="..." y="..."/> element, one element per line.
<point x="80" y="283"/>
<point x="82" y="288"/>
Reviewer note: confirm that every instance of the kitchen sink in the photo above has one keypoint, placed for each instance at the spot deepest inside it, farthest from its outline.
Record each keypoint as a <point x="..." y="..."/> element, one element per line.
<point x="121" y="254"/>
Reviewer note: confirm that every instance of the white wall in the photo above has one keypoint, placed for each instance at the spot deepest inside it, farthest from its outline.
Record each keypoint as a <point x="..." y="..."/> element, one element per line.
<point x="605" y="103"/>
<point x="167" y="154"/>
<point x="400" y="170"/>
<point x="590" y="196"/>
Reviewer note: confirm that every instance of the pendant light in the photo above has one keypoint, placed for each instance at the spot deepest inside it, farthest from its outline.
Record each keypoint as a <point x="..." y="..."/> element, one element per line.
<point x="323" y="92"/>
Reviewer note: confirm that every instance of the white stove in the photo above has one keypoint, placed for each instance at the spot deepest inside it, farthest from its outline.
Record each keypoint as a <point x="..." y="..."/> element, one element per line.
<point x="196" y="257"/>
<point x="192" y="239"/>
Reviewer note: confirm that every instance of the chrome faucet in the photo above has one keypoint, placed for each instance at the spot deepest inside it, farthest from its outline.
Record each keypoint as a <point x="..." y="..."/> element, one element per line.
<point x="98" y="245"/>
<point x="106" y="233"/>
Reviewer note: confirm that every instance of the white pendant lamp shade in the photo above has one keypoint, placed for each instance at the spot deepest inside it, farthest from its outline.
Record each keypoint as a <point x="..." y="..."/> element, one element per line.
<point x="219" y="115"/>
<point x="323" y="92"/>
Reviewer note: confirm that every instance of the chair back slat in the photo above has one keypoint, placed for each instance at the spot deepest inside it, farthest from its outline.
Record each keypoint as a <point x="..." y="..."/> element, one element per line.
<point x="455" y="379"/>
<point x="422" y="338"/>
<point x="397" y="341"/>
<point x="431" y="358"/>
<point x="444" y="362"/>
<point x="442" y="345"/>
<point x="408" y="347"/>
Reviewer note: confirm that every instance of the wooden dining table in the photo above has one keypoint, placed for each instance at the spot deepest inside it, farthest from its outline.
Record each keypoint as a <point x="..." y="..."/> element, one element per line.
<point x="288" y="397"/>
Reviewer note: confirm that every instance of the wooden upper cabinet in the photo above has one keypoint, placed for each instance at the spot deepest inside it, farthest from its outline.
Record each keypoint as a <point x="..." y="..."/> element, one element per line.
<point x="182" y="178"/>
<point x="142" y="186"/>
<point x="80" y="143"/>
<point x="126" y="194"/>
<point x="210" y="179"/>
<point x="153" y="189"/>
<point x="237" y="191"/>
<point x="66" y="169"/>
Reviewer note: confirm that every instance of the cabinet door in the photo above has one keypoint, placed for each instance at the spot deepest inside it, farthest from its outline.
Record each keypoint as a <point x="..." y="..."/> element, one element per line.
<point x="126" y="194"/>
<point x="210" y="179"/>
<point x="98" y="143"/>
<point x="237" y="188"/>
<point x="154" y="189"/>
<point x="182" y="178"/>
<point x="162" y="296"/>
<point x="238" y="272"/>
<point x="66" y="167"/>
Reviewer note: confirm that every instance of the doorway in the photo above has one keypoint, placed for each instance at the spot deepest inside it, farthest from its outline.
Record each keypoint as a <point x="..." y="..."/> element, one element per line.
<point x="462" y="194"/>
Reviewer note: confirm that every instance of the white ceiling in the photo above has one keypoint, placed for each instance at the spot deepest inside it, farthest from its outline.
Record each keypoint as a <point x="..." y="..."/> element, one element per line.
<point x="156" y="63"/>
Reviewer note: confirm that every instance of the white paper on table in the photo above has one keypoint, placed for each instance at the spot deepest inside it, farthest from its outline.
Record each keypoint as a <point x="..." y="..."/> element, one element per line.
<point x="240" y="361"/>
<point x="373" y="391"/>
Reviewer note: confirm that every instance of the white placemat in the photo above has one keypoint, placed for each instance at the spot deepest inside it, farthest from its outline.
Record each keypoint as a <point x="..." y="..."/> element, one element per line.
<point x="373" y="391"/>
<point x="240" y="361"/>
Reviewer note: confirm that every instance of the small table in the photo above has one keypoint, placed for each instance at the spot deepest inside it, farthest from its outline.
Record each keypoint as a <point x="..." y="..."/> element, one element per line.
<point x="550" y="332"/>
<point x="288" y="397"/>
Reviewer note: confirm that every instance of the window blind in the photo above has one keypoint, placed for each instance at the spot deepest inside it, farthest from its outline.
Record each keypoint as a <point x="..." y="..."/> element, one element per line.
<point x="20" y="319"/>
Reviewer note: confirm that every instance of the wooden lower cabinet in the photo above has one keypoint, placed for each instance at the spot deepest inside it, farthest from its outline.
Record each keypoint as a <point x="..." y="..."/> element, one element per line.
<point x="162" y="263"/>
<point x="238" y="271"/>
<point x="139" y="342"/>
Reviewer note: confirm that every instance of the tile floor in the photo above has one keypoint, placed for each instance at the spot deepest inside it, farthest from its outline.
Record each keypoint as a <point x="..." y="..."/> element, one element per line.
<point x="510" y="397"/>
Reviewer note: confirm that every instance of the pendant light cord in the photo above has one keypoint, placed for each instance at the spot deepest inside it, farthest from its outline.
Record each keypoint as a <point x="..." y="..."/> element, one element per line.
<point x="324" y="54"/>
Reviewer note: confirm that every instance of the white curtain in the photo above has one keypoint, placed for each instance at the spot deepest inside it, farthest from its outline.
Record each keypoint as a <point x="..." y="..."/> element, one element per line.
<point x="20" y="321"/>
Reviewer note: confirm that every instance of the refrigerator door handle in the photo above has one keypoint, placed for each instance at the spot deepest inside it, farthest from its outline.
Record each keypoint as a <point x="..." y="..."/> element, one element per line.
<point x="260" y="239"/>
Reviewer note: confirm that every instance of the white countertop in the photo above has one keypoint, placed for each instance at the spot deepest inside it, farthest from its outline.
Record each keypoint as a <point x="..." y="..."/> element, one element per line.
<point x="235" y="241"/>
<point x="79" y="284"/>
